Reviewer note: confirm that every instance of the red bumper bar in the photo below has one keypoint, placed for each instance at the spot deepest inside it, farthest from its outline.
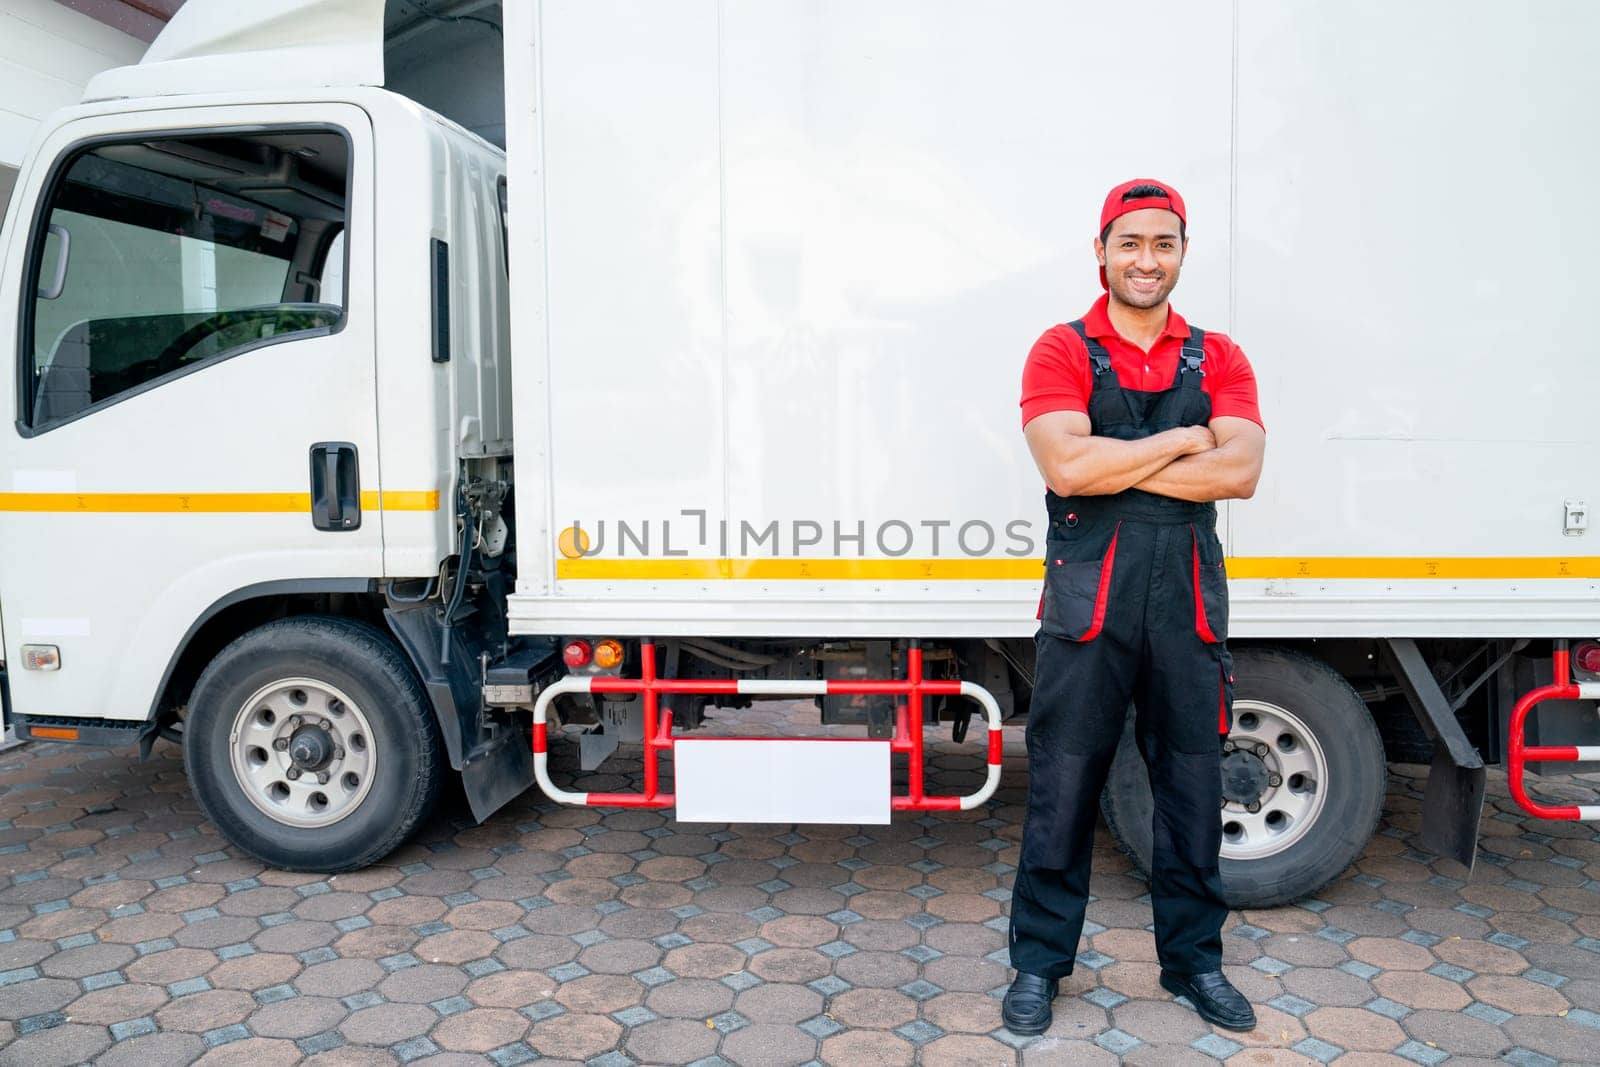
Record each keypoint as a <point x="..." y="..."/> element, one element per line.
<point x="1562" y="687"/>
<point x="658" y="737"/>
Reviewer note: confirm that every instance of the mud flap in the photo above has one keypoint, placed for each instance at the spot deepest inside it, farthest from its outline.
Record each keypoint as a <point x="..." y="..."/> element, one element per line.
<point x="1452" y="807"/>
<point x="493" y="778"/>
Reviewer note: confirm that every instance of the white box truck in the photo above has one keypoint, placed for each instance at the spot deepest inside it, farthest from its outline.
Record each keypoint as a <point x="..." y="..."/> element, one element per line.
<point x="349" y="451"/>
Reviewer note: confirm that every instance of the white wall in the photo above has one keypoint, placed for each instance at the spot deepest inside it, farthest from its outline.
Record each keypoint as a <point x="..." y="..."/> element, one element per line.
<point x="47" y="53"/>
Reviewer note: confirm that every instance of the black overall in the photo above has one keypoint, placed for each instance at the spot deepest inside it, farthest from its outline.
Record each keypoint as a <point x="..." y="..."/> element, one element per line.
<point x="1134" y="609"/>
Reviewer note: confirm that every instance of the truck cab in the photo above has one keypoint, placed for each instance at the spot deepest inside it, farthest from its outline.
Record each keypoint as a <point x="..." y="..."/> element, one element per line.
<point x="255" y="386"/>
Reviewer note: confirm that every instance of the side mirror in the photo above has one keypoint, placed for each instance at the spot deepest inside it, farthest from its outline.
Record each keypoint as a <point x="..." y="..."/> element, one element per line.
<point x="58" y="283"/>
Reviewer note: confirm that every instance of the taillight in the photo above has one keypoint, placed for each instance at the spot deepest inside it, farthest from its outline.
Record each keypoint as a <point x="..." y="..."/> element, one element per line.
<point x="608" y="655"/>
<point x="1586" y="657"/>
<point x="577" y="654"/>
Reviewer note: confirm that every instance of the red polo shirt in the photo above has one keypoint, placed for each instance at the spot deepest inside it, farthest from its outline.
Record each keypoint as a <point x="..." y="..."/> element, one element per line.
<point x="1059" y="377"/>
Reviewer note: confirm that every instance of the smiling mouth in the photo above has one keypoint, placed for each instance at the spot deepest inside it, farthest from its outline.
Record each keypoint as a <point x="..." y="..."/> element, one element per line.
<point x="1146" y="284"/>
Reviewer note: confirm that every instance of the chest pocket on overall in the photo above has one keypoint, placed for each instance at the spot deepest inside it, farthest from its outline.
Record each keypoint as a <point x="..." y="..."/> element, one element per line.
<point x="1210" y="587"/>
<point x="1079" y="558"/>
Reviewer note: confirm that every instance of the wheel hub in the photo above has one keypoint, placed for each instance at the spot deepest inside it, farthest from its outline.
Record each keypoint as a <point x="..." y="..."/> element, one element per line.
<point x="1244" y="777"/>
<point x="1274" y="779"/>
<point x="310" y="748"/>
<point x="302" y="752"/>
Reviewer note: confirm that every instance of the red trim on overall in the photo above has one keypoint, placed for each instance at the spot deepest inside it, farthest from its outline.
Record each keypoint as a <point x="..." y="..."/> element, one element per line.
<point x="1040" y="613"/>
<point x="1222" y="702"/>
<point x="1201" y="625"/>
<point x="1102" y="595"/>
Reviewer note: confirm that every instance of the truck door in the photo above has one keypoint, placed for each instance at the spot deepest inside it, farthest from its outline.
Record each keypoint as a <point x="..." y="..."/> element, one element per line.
<point x="193" y="391"/>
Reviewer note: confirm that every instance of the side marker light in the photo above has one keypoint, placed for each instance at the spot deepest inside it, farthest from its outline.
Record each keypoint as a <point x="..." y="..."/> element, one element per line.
<point x="41" y="658"/>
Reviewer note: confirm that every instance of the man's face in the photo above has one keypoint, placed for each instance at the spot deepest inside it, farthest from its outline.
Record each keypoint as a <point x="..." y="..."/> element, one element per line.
<point x="1142" y="256"/>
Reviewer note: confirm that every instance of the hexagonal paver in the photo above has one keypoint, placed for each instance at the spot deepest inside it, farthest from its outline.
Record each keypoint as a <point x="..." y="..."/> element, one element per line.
<point x="422" y="984"/>
<point x="256" y="971"/>
<point x="1391" y="953"/>
<point x="298" y="1017"/>
<point x="339" y="978"/>
<point x="208" y="1010"/>
<point x="574" y="1037"/>
<point x="480" y="1030"/>
<point x="970" y="1013"/>
<point x="671" y="1041"/>
<point x="510" y="989"/>
<point x="704" y="961"/>
<point x="791" y="965"/>
<point x="779" y="1002"/>
<point x="1415" y="990"/>
<point x="599" y="994"/>
<point x="690" y="998"/>
<point x="880" y="1009"/>
<point x="769" y="1045"/>
<point x="387" y="1024"/>
<point x="868" y="1046"/>
<point x="1519" y="996"/>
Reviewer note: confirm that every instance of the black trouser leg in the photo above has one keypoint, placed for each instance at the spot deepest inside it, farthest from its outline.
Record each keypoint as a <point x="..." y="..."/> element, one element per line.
<point x="1080" y="701"/>
<point x="1181" y="696"/>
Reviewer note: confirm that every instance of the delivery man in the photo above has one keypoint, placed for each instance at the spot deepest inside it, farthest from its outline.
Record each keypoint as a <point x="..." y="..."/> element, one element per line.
<point x="1138" y="422"/>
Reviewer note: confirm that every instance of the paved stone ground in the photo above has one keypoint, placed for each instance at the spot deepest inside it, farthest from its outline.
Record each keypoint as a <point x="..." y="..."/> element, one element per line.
<point x="130" y="934"/>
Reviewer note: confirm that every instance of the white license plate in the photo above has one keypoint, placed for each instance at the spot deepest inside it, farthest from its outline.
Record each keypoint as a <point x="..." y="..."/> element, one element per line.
<point x="781" y="780"/>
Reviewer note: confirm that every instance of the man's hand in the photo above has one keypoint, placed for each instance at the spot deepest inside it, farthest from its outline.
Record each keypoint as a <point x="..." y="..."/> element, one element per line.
<point x="1074" y="463"/>
<point x="1197" y="438"/>
<point x="1228" y="471"/>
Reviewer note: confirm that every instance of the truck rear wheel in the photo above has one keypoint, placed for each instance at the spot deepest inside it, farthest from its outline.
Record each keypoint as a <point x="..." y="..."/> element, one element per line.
<point x="311" y="744"/>
<point x="1303" y="753"/>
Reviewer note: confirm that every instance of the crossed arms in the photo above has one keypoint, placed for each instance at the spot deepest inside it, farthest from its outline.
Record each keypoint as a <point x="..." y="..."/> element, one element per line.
<point x="1221" y="461"/>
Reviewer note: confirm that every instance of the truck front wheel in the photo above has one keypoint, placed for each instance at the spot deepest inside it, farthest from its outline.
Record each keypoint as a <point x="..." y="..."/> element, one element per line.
<point x="1303" y="781"/>
<point x="311" y="745"/>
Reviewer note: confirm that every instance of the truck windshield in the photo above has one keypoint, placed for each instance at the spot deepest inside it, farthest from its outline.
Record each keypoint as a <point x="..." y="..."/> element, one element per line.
<point x="160" y="255"/>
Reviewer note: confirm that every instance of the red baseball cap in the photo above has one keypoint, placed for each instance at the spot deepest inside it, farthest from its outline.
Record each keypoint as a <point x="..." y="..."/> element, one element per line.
<point x="1115" y="207"/>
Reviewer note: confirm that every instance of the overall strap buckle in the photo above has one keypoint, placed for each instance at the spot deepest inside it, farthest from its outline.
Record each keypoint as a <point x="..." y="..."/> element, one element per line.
<point x="1097" y="352"/>
<point x="1194" y="353"/>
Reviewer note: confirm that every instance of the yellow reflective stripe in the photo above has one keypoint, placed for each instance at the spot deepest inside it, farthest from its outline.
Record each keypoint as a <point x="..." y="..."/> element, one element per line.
<point x="400" y="500"/>
<point x="831" y="570"/>
<point x="977" y="570"/>
<point x="206" y="502"/>
<point x="1445" y="567"/>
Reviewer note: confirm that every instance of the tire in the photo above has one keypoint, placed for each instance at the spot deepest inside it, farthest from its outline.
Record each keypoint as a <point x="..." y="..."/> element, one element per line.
<point x="343" y="698"/>
<point x="1288" y="694"/>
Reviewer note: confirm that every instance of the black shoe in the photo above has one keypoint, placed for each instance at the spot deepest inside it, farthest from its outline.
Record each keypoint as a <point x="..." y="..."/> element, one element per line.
<point x="1026" y="1009"/>
<point x="1214" y="997"/>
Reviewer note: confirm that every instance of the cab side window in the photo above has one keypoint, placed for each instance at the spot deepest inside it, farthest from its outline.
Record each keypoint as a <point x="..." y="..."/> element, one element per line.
<point x="155" y="257"/>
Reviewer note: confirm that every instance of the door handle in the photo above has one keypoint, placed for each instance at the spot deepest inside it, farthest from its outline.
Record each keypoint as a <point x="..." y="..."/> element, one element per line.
<point x="330" y="476"/>
<point x="335" y="486"/>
